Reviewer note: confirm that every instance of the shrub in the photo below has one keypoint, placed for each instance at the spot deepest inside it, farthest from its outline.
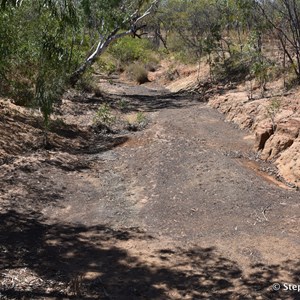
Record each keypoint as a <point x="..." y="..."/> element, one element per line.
<point x="129" y="50"/>
<point x="151" y="66"/>
<point x="87" y="83"/>
<point x="104" y="116"/>
<point x="137" y="121"/>
<point x="141" y="118"/>
<point x="234" y="68"/>
<point x="137" y="73"/>
<point x="123" y="105"/>
<point x="107" y="64"/>
<point x="272" y="110"/>
<point x="261" y="70"/>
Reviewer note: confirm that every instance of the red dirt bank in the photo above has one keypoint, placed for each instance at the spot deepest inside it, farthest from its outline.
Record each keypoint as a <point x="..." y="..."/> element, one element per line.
<point x="277" y="141"/>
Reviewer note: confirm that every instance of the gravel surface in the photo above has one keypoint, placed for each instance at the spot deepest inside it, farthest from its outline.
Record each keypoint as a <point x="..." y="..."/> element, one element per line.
<point x="180" y="210"/>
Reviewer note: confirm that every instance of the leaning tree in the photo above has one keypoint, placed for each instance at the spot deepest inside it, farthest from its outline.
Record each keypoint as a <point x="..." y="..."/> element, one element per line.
<point x="47" y="44"/>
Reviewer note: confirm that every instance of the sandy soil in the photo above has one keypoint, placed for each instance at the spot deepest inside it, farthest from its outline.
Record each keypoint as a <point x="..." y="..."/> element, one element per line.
<point x="180" y="210"/>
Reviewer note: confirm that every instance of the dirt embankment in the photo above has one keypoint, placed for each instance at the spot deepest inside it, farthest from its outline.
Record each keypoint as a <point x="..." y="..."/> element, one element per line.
<point x="275" y="120"/>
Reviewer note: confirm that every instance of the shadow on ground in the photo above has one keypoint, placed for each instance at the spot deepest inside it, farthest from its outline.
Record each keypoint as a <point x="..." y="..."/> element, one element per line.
<point x="43" y="261"/>
<point x="148" y="99"/>
<point x="143" y="98"/>
<point x="154" y="102"/>
<point x="23" y="134"/>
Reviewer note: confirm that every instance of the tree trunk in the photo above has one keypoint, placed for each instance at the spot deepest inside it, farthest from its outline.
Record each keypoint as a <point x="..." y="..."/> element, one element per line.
<point x="103" y="44"/>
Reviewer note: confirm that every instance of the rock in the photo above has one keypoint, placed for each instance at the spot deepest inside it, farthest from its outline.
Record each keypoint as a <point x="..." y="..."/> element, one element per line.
<point x="290" y="127"/>
<point x="276" y="144"/>
<point x="286" y="133"/>
<point x="262" y="134"/>
<point x="289" y="163"/>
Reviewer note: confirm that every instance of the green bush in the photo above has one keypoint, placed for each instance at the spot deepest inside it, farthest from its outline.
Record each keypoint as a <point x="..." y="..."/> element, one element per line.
<point x="107" y="64"/>
<point x="129" y="50"/>
<point x="123" y="105"/>
<point x="22" y="92"/>
<point x="137" y="121"/>
<point x="234" y="68"/>
<point x="87" y="83"/>
<point x="140" y="118"/>
<point x="104" y="116"/>
<point x="34" y="64"/>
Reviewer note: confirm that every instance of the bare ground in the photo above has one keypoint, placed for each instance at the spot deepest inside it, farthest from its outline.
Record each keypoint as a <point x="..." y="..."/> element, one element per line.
<point x="180" y="210"/>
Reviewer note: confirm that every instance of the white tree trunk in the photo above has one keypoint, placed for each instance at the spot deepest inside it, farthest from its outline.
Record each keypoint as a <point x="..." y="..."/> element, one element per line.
<point x="106" y="41"/>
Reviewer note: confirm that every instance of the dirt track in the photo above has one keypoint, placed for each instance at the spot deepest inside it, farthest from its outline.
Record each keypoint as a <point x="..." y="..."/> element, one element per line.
<point x="177" y="211"/>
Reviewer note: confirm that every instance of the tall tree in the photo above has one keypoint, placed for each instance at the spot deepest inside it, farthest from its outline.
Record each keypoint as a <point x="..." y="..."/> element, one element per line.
<point x="46" y="43"/>
<point x="125" y="18"/>
<point x="283" y="16"/>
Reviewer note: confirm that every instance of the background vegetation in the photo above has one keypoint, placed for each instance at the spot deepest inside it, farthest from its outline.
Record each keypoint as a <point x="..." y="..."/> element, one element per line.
<point x="45" y="45"/>
<point x="238" y="38"/>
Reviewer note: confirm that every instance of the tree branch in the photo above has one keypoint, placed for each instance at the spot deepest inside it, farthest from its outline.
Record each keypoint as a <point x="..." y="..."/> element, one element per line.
<point x="103" y="43"/>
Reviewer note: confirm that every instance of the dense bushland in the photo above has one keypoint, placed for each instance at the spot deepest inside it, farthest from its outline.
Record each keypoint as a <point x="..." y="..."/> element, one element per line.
<point x="46" y="45"/>
<point x="238" y="38"/>
<point x="135" y="56"/>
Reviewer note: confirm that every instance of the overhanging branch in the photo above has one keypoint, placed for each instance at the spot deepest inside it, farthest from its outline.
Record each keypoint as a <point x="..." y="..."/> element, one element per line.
<point x="134" y="20"/>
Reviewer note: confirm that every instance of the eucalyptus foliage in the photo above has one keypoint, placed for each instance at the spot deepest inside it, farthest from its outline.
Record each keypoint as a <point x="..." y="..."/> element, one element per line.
<point x="46" y="43"/>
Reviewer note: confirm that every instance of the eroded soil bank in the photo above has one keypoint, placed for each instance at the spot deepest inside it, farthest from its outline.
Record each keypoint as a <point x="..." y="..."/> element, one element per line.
<point x="179" y="210"/>
<point x="272" y="115"/>
<point x="275" y="120"/>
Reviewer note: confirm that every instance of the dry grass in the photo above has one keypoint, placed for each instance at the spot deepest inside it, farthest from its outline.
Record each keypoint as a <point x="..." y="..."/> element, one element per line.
<point x="137" y="73"/>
